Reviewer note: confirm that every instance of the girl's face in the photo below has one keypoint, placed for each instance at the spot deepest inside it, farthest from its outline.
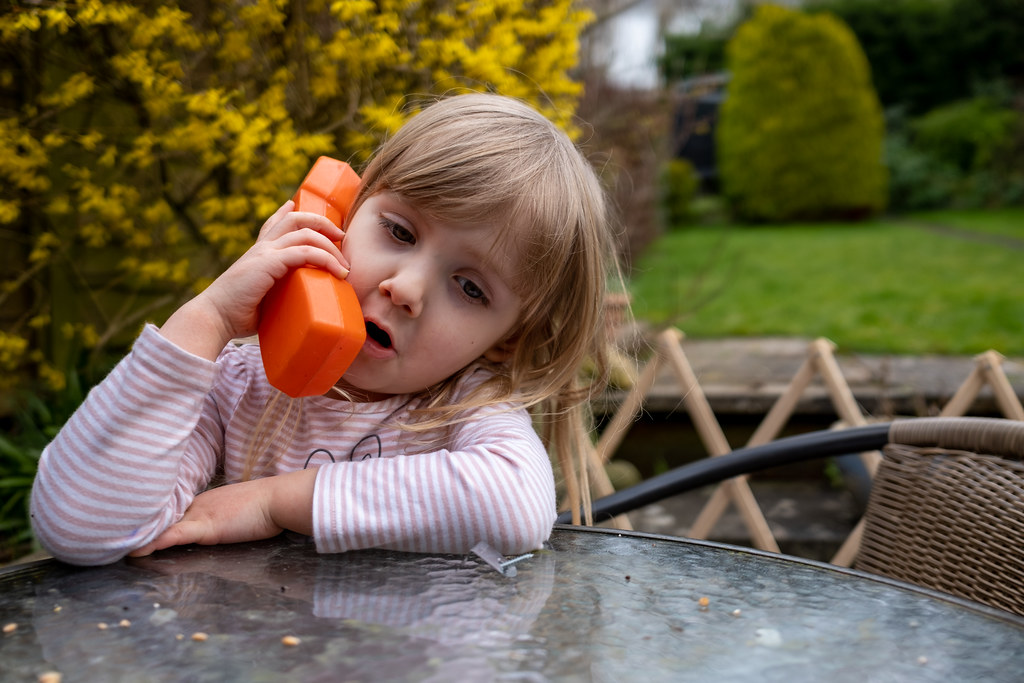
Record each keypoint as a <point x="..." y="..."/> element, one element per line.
<point x="435" y="295"/>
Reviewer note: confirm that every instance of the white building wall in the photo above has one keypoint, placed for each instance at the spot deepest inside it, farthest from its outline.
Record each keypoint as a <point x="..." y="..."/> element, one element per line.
<point x="629" y="36"/>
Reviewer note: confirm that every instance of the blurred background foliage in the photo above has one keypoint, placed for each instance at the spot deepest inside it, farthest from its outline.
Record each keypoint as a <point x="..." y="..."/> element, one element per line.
<point x="949" y="75"/>
<point x="935" y="120"/>
<point x="142" y="144"/>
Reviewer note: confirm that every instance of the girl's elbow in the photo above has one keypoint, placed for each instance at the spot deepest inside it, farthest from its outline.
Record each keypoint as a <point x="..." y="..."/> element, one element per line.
<point x="542" y="529"/>
<point x="533" y="531"/>
<point x="538" y="519"/>
<point x="83" y="553"/>
<point x="80" y="544"/>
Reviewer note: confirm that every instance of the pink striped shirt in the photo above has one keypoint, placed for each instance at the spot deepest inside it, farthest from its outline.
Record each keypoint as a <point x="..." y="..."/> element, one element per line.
<point x="156" y="430"/>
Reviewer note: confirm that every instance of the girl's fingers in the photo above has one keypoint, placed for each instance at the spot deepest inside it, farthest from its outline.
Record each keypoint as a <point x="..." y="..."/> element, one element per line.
<point x="306" y="255"/>
<point x="309" y="247"/>
<point x="164" y="540"/>
<point x="281" y="212"/>
<point x="294" y="232"/>
<point x="285" y="221"/>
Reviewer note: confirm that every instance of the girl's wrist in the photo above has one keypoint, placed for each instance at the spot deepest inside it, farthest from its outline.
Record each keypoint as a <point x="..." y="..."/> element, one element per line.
<point x="291" y="500"/>
<point x="194" y="328"/>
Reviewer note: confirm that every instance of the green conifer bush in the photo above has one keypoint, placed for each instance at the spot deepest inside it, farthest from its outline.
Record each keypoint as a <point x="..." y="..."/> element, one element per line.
<point x="800" y="134"/>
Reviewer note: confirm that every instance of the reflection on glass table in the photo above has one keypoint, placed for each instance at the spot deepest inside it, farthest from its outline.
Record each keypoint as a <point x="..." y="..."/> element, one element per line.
<point x="594" y="605"/>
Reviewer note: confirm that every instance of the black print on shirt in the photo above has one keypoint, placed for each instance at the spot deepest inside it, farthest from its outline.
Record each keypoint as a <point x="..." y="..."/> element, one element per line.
<point x="318" y="450"/>
<point x="353" y="455"/>
<point x="357" y="452"/>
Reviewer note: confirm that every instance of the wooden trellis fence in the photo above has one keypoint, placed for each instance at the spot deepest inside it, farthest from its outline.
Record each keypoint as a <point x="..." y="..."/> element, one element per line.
<point x="820" y="362"/>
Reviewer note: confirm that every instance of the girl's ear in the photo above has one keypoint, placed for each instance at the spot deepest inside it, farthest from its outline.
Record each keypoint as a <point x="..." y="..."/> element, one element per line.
<point x="503" y="350"/>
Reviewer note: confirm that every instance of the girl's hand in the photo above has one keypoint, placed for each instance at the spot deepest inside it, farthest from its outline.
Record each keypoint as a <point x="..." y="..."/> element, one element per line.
<point x="229" y="307"/>
<point x="247" y="511"/>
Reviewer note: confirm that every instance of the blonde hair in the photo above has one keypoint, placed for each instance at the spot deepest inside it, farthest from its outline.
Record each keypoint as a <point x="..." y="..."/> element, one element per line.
<point x="484" y="157"/>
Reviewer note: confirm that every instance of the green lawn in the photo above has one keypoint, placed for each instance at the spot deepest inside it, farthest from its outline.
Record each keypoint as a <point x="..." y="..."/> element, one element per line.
<point x="940" y="282"/>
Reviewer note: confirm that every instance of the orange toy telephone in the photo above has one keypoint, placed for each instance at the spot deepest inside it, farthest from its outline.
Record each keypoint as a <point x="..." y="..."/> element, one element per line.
<point x="311" y="326"/>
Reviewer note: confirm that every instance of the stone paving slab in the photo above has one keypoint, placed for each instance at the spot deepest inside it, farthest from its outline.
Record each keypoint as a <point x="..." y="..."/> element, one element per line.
<point x="746" y="376"/>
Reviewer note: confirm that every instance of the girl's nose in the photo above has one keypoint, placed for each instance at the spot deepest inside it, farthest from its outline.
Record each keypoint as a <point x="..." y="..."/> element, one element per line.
<point x="406" y="291"/>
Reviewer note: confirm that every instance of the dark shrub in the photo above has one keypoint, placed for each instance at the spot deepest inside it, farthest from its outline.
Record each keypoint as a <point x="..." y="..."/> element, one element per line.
<point x="967" y="134"/>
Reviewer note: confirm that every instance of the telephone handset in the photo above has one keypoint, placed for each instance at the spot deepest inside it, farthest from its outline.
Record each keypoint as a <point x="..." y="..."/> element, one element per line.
<point x="311" y="326"/>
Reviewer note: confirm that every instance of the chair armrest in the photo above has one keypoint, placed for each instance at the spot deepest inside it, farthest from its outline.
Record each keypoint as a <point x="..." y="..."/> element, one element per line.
<point x="693" y="475"/>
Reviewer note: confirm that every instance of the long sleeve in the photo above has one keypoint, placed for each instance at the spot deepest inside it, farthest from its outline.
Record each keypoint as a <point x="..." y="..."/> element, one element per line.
<point x="148" y="439"/>
<point x="494" y="484"/>
<point x="130" y="459"/>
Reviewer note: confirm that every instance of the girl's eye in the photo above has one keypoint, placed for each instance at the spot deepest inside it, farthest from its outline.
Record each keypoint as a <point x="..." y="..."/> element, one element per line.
<point x="471" y="290"/>
<point x="398" y="231"/>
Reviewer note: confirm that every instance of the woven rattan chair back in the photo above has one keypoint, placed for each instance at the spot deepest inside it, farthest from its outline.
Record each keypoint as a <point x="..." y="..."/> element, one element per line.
<point x="946" y="510"/>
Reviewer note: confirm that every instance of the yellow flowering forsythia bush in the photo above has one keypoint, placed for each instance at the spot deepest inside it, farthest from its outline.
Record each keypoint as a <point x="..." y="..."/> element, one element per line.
<point x="143" y="143"/>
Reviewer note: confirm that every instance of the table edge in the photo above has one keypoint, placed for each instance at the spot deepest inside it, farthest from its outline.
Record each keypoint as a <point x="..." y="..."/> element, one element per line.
<point x="966" y="603"/>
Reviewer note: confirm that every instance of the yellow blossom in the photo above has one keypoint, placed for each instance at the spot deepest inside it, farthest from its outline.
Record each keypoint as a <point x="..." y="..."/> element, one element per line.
<point x="77" y="87"/>
<point x="53" y="139"/>
<point x="9" y="211"/>
<point x="88" y="336"/>
<point x="179" y="272"/>
<point x="156" y="213"/>
<point x="58" y="18"/>
<point x="12" y="350"/>
<point x="109" y="157"/>
<point x="59" y="205"/>
<point x="100" y="12"/>
<point x="53" y="378"/>
<point x="201" y="283"/>
<point x="44" y="245"/>
<point x="90" y="140"/>
<point x="39" y="321"/>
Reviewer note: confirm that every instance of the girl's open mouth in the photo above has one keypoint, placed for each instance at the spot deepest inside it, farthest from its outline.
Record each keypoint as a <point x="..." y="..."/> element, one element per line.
<point x="378" y="335"/>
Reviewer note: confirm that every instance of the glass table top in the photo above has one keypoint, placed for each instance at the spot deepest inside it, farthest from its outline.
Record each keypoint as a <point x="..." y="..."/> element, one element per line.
<point x="593" y="605"/>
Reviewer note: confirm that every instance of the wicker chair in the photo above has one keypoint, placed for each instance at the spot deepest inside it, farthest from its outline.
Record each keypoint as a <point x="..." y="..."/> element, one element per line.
<point x="946" y="509"/>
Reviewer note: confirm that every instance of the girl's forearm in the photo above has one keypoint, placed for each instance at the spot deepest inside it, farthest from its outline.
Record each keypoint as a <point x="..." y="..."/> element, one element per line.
<point x="496" y="486"/>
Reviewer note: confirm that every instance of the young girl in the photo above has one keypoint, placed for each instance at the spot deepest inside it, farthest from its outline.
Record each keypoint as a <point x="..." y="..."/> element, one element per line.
<point x="479" y="251"/>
